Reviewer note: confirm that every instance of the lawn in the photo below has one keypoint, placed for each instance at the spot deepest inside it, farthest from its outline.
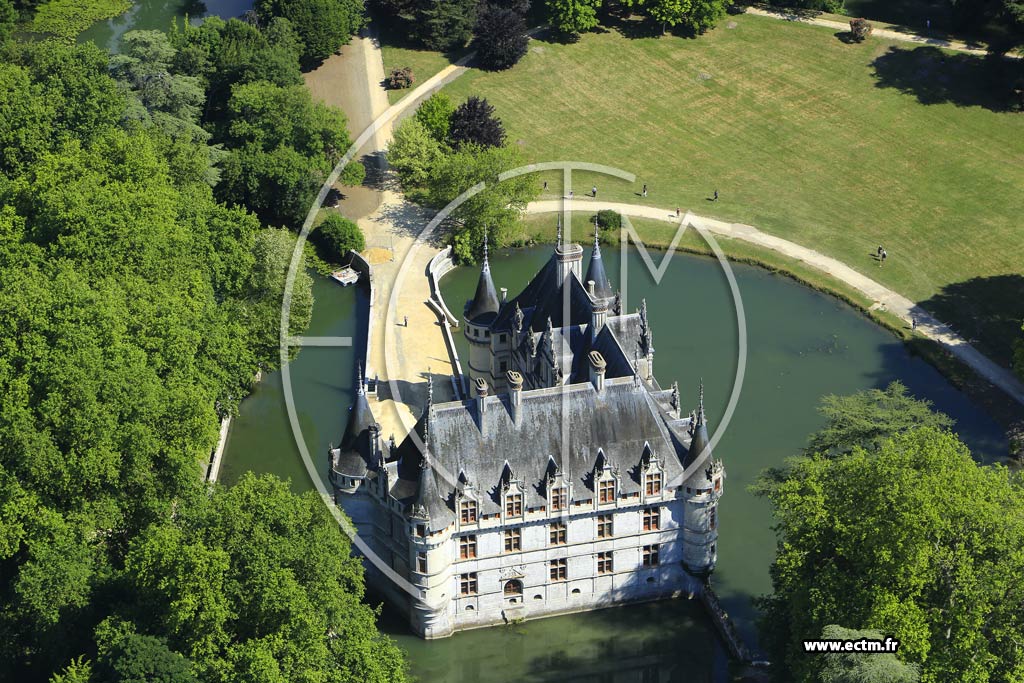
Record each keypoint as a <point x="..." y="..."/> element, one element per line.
<point x="839" y="147"/>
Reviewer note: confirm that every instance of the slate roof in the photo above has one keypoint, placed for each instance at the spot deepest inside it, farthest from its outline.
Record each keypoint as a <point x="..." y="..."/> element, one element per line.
<point x="355" y="456"/>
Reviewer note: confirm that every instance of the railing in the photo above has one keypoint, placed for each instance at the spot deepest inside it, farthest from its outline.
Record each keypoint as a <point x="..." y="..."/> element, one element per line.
<point x="363" y="267"/>
<point x="438" y="267"/>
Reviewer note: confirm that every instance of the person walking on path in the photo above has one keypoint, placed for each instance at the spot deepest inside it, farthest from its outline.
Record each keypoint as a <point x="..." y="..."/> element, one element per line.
<point x="885" y="255"/>
<point x="545" y="186"/>
<point x="593" y="191"/>
<point x="644" y="193"/>
<point x="913" y="323"/>
<point x="716" y="196"/>
<point x="878" y="252"/>
<point x="570" y="194"/>
<point x="677" y="212"/>
<point x="406" y="321"/>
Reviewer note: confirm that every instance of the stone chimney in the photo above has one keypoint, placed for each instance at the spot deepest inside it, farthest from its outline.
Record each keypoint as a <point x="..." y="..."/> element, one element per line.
<point x="590" y="288"/>
<point x="597" y="370"/>
<point x="598" y="317"/>
<point x="481" y="402"/>
<point x="515" y="394"/>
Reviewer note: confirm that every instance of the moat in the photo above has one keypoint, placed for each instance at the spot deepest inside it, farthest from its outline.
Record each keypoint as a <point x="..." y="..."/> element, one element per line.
<point x="802" y="345"/>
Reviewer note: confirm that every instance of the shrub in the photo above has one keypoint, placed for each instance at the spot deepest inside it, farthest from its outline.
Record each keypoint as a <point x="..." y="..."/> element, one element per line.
<point x="609" y="220"/>
<point x="436" y="116"/>
<point x="400" y="77"/>
<point x="336" y="236"/>
<point x="860" y="29"/>
<point x="353" y="174"/>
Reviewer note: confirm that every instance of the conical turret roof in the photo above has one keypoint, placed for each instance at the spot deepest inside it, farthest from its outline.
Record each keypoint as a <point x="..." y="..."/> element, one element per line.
<point x="356" y="448"/>
<point x="596" y="272"/>
<point x="699" y="441"/>
<point x="484" y="306"/>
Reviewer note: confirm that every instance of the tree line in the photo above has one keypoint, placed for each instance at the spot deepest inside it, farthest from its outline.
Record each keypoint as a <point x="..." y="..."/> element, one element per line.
<point x="888" y="527"/>
<point x="144" y="206"/>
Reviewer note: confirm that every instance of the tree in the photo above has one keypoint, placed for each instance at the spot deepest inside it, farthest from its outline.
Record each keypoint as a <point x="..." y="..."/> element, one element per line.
<point x="260" y="582"/>
<point x="268" y="116"/>
<point x="353" y="174"/>
<point x="815" y="5"/>
<point x="869" y="418"/>
<point x="705" y="14"/>
<point x="138" y="658"/>
<point x="279" y="186"/>
<point x="337" y="236"/>
<point x="859" y="667"/>
<point x="573" y="16"/>
<point x="413" y="153"/>
<point x="322" y="25"/>
<point x="911" y="538"/>
<point x="474" y="122"/>
<point x="444" y="25"/>
<point x="436" y="116"/>
<point x="609" y="220"/>
<point x="8" y="17"/>
<point x="500" y="37"/>
<point x="497" y="208"/>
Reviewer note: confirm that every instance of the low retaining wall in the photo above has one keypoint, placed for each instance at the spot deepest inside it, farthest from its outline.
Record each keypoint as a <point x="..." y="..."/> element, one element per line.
<point x="213" y="468"/>
<point x="724" y="625"/>
<point x="438" y="267"/>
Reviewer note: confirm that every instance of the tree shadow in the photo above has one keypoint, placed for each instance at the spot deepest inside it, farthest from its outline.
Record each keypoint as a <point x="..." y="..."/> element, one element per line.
<point x="987" y="311"/>
<point x="936" y="77"/>
<point x="845" y="37"/>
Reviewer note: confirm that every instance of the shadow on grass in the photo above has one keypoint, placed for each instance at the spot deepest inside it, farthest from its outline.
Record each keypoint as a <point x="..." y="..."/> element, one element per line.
<point x="988" y="311"/>
<point x="936" y="77"/>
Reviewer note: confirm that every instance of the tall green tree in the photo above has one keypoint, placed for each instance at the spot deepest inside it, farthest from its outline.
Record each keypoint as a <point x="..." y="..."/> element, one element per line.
<point x="413" y="153"/>
<point x="323" y="26"/>
<point x="436" y="116"/>
<point x="473" y="122"/>
<point x="444" y="25"/>
<point x="911" y="538"/>
<point x="861" y="667"/>
<point x="869" y="418"/>
<point x="497" y="208"/>
<point x="573" y="16"/>
<point x="500" y="38"/>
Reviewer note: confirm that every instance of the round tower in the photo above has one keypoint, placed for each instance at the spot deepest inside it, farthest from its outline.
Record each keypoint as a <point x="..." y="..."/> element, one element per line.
<point x="480" y="313"/>
<point x="702" y="491"/>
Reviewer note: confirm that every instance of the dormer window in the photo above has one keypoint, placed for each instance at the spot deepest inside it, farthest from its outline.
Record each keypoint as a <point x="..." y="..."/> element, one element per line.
<point x="467" y="511"/>
<point x="559" y="498"/>
<point x="514" y="505"/>
<point x="606" y="491"/>
<point x="652" y="483"/>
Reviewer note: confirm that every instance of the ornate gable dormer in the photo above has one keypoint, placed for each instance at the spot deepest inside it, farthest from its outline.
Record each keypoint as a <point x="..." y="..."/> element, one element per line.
<point x="606" y="479"/>
<point x="512" y="494"/>
<point x="652" y="474"/>
<point x="557" y="491"/>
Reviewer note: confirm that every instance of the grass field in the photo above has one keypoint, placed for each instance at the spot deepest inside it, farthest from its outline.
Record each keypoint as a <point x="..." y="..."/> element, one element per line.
<point x="838" y="147"/>
<point x="423" y="62"/>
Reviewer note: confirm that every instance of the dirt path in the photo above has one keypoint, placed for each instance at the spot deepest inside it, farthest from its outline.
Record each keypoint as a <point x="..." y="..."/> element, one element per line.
<point x="888" y="34"/>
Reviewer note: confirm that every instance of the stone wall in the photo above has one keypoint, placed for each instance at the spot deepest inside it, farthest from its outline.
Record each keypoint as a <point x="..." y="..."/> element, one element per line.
<point x="438" y="267"/>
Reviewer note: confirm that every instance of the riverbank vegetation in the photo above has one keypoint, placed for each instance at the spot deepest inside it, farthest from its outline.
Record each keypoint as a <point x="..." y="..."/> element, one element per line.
<point x="139" y="298"/>
<point x="887" y="523"/>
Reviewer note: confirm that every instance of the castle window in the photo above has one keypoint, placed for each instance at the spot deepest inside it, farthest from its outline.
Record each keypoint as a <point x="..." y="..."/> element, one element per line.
<point x="651" y="555"/>
<point x="604" y="563"/>
<point x="468" y="511"/>
<point x="513" y="540"/>
<point x="606" y="491"/>
<point x="503" y="366"/>
<point x="718" y="484"/>
<point x="513" y="587"/>
<point x="467" y="584"/>
<point x="421" y="563"/>
<point x="467" y="547"/>
<point x="514" y="505"/>
<point x="605" y="528"/>
<point x="502" y="338"/>
<point x="653" y="483"/>
<point x="712" y="519"/>
<point x="558" y="533"/>
<point x="421" y="530"/>
<point x="652" y="519"/>
<point x="559" y="499"/>
<point x="559" y="570"/>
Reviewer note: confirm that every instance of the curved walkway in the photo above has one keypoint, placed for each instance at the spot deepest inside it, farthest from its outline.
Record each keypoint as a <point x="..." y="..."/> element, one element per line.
<point x="927" y="324"/>
<point x="888" y="34"/>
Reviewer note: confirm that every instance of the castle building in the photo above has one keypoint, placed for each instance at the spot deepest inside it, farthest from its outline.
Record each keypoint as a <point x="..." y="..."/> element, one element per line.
<point x="571" y="481"/>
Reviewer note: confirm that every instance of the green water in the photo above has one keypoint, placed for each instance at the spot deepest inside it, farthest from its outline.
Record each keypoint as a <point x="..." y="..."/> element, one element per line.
<point x="159" y="15"/>
<point x="802" y="345"/>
